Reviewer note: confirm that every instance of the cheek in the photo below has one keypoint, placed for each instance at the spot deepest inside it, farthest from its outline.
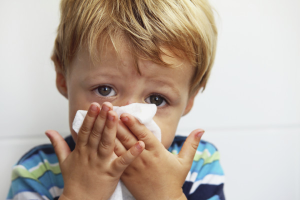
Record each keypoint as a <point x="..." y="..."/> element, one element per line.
<point x="168" y="128"/>
<point x="168" y="123"/>
<point x="72" y="113"/>
<point x="167" y="138"/>
<point x="77" y="101"/>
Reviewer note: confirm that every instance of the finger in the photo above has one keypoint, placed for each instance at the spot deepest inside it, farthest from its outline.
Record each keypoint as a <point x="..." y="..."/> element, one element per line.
<point x="87" y="125"/>
<point x="141" y="132"/>
<point x="190" y="146"/>
<point x="99" y="124"/>
<point x="107" y="142"/>
<point x="125" y="136"/>
<point x="122" y="162"/>
<point x="119" y="148"/>
<point x="59" y="144"/>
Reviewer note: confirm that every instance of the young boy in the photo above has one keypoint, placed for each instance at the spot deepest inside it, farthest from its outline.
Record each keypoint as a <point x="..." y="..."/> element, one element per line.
<point x="114" y="53"/>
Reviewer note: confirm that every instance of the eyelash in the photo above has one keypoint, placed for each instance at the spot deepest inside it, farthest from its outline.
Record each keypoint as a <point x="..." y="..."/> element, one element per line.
<point x="162" y="96"/>
<point x="96" y="90"/>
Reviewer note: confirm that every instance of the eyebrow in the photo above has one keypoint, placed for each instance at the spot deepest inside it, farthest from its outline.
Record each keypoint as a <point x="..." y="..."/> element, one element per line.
<point x="96" y="76"/>
<point x="168" y="84"/>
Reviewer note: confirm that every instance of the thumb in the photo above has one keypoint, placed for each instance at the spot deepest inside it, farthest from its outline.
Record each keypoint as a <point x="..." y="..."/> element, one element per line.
<point x="60" y="146"/>
<point x="190" y="146"/>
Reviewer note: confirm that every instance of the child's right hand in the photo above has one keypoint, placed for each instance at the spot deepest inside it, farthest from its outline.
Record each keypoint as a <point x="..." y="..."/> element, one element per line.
<point x="92" y="170"/>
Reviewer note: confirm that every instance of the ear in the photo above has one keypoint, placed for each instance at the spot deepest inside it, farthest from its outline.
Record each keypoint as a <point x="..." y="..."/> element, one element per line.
<point x="61" y="82"/>
<point x="190" y="103"/>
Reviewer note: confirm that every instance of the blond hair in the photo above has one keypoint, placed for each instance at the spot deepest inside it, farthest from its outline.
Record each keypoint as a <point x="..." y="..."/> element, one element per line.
<point x="186" y="25"/>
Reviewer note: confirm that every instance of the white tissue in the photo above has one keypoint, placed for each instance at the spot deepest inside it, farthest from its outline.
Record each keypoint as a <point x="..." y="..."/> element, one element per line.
<point x="142" y="112"/>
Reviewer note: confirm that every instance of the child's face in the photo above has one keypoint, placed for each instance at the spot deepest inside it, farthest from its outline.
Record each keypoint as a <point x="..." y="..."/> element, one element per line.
<point x="115" y="79"/>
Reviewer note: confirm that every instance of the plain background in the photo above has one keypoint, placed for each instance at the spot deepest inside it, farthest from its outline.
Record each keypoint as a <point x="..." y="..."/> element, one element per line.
<point x="250" y="109"/>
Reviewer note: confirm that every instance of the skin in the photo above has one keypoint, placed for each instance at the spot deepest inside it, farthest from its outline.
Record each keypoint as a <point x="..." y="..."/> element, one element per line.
<point x="127" y="139"/>
<point x="92" y="170"/>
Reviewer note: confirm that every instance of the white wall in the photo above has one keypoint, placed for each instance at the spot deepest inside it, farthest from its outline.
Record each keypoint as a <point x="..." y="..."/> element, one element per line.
<point x="250" y="109"/>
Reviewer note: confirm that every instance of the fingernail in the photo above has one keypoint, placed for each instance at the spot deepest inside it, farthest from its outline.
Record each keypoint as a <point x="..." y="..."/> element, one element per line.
<point x="124" y="119"/>
<point x="94" y="107"/>
<point x="138" y="146"/>
<point x="200" y="133"/>
<point x="47" y="134"/>
<point x="110" y="117"/>
<point x="105" y="108"/>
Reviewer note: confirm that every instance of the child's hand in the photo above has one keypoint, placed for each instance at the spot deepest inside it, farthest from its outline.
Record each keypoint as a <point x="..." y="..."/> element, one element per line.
<point x="92" y="170"/>
<point x="156" y="173"/>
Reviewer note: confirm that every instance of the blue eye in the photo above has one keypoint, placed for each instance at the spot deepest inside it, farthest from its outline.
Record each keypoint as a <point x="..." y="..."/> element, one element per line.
<point x="157" y="100"/>
<point x="105" y="91"/>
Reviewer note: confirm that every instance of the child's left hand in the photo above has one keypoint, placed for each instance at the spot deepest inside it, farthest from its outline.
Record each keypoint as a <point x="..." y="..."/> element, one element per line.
<point x="156" y="173"/>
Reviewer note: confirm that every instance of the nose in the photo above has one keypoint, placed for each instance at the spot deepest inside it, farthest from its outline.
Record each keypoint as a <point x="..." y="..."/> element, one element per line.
<point x="132" y="100"/>
<point x="128" y="100"/>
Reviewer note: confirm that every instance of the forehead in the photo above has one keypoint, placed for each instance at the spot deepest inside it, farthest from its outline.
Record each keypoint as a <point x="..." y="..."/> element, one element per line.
<point x="117" y="58"/>
<point x="118" y="42"/>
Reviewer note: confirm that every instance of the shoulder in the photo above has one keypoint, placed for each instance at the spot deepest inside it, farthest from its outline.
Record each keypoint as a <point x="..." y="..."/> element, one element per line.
<point x="37" y="174"/>
<point x="42" y="154"/>
<point x="205" y="179"/>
